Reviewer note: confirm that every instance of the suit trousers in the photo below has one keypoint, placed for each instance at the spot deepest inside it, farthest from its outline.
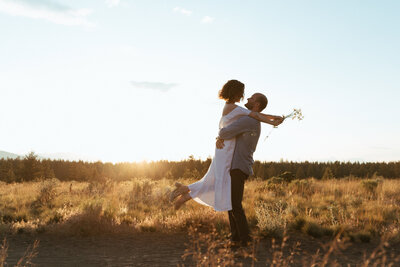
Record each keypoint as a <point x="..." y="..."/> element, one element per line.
<point x="237" y="217"/>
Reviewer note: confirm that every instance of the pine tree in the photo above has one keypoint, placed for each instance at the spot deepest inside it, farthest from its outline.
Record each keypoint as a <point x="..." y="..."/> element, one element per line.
<point x="328" y="174"/>
<point x="32" y="167"/>
<point x="300" y="174"/>
<point x="7" y="171"/>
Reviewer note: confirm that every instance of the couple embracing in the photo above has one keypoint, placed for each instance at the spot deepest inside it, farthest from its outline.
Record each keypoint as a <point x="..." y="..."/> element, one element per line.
<point x="223" y="184"/>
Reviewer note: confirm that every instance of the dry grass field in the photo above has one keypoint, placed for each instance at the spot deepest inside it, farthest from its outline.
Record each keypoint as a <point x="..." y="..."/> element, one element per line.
<point x="357" y="210"/>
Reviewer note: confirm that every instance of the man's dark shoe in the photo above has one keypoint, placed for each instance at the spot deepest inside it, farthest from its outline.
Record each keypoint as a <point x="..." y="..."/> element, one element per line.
<point x="234" y="245"/>
<point x="242" y="252"/>
<point x="246" y="243"/>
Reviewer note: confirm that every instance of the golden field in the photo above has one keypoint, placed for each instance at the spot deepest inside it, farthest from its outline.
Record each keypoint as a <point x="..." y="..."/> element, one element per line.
<point x="362" y="209"/>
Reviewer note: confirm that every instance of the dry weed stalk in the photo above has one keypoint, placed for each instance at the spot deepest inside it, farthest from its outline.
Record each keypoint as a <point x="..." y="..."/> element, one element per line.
<point x="30" y="254"/>
<point x="26" y="260"/>
<point x="379" y="256"/>
<point x="209" y="249"/>
<point x="335" y="245"/>
<point x="3" y="252"/>
<point x="278" y="258"/>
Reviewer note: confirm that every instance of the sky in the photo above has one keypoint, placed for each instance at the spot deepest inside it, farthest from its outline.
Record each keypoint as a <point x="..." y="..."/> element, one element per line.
<point x="125" y="80"/>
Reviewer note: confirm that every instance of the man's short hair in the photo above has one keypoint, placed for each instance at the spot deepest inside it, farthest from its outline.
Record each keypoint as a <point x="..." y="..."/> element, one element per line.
<point x="262" y="100"/>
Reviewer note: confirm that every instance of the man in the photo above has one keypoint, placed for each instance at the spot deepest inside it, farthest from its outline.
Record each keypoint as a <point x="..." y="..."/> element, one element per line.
<point x="246" y="130"/>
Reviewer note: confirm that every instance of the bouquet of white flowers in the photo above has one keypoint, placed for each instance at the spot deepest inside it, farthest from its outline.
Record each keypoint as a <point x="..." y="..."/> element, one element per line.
<point x="296" y="114"/>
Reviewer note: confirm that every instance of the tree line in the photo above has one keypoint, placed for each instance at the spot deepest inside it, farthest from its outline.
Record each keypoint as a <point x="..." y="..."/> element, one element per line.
<point x="31" y="168"/>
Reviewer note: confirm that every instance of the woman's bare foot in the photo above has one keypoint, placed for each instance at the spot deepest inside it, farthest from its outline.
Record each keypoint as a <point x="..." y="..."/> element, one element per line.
<point x="179" y="190"/>
<point x="180" y="201"/>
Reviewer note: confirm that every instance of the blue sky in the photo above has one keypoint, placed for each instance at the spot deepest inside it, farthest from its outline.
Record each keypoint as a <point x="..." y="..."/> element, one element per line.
<point x="138" y="80"/>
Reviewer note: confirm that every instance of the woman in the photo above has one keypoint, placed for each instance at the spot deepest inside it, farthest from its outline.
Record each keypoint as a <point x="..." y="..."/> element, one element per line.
<point x="214" y="189"/>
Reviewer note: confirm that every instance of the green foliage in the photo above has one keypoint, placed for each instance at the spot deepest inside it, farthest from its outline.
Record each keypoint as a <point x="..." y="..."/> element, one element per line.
<point x="300" y="173"/>
<point x="31" y="167"/>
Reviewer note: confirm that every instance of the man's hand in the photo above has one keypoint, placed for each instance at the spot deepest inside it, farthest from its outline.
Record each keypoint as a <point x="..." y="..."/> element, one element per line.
<point x="277" y="120"/>
<point x="219" y="143"/>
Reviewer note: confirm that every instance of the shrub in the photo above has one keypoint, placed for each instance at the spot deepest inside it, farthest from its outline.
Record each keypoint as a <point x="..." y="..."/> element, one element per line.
<point x="310" y="227"/>
<point x="287" y="176"/>
<point x="304" y="188"/>
<point x="100" y="187"/>
<point x="371" y="185"/>
<point x="141" y="194"/>
<point x="92" y="221"/>
<point x="46" y="196"/>
<point x="271" y="217"/>
<point x="48" y="192"/>
<point x="275" y="180"/>
<point x="316" y="230"/>
<point x="297" y="223"/>
<point x="361" y="236"/>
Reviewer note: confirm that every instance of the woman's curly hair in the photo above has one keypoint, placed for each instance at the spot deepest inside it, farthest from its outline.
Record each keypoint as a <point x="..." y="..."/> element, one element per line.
<point x="231" y="90"/>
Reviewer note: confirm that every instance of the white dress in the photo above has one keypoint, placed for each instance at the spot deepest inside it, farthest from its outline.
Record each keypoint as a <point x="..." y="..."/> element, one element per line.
<point x="214" y="189"/>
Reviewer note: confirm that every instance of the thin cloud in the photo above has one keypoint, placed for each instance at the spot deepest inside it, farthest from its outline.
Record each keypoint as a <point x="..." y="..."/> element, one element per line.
<point x="46" y="10"/>
<point x="112" y="3"/>
<point x="157" y="86"/>
<point x="381" y="147"/>
<point x="207" y="19"/>
<point x="182" y="11"/>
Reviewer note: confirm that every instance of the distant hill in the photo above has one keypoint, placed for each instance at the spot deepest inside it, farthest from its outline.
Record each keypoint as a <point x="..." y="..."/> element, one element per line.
<point x="51" y="156"/>
<point x="67" y="156"/>
<point x="5" y="155"/>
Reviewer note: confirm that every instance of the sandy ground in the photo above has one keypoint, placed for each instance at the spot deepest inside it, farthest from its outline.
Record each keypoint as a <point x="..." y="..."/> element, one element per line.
<point x="157" y="249"/>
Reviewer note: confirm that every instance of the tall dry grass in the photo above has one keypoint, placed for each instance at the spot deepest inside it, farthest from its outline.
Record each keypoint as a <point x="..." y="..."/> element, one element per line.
<point x="360" y="208"/>
<point x="210" y="250"/>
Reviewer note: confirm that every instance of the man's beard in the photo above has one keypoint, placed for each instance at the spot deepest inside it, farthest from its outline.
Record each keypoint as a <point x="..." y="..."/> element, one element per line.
<point x="248" y="105"/>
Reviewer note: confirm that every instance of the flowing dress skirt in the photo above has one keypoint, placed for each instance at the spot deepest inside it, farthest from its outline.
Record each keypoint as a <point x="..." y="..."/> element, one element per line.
<point x="214" y="189"/>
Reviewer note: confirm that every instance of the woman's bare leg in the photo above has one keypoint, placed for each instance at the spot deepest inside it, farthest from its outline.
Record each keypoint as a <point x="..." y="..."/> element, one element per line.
<point x="180" y="201"/>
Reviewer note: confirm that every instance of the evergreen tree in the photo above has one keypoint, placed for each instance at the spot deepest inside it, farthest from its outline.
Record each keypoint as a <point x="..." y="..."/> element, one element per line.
<point x="300" y="174"/>
<point x="328" y="174"/>
<point x="7" y="171"/>
<point x="32" y="167"/>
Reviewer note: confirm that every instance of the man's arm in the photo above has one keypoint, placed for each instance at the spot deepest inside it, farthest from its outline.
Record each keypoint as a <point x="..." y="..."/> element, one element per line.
<point x="270" y="119"/>
<point x="241" y="125"/>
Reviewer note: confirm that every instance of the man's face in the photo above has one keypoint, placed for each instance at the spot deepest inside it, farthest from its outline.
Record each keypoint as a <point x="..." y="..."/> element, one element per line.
<point x="251" y="102"/>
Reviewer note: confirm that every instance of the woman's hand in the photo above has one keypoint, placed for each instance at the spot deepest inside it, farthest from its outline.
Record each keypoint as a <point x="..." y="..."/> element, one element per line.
<point x="219" y="143"/>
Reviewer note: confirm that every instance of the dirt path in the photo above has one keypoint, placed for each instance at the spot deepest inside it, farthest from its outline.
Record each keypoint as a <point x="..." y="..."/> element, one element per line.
<point x="142" y="249"/>
<point x="153" y="249"/>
